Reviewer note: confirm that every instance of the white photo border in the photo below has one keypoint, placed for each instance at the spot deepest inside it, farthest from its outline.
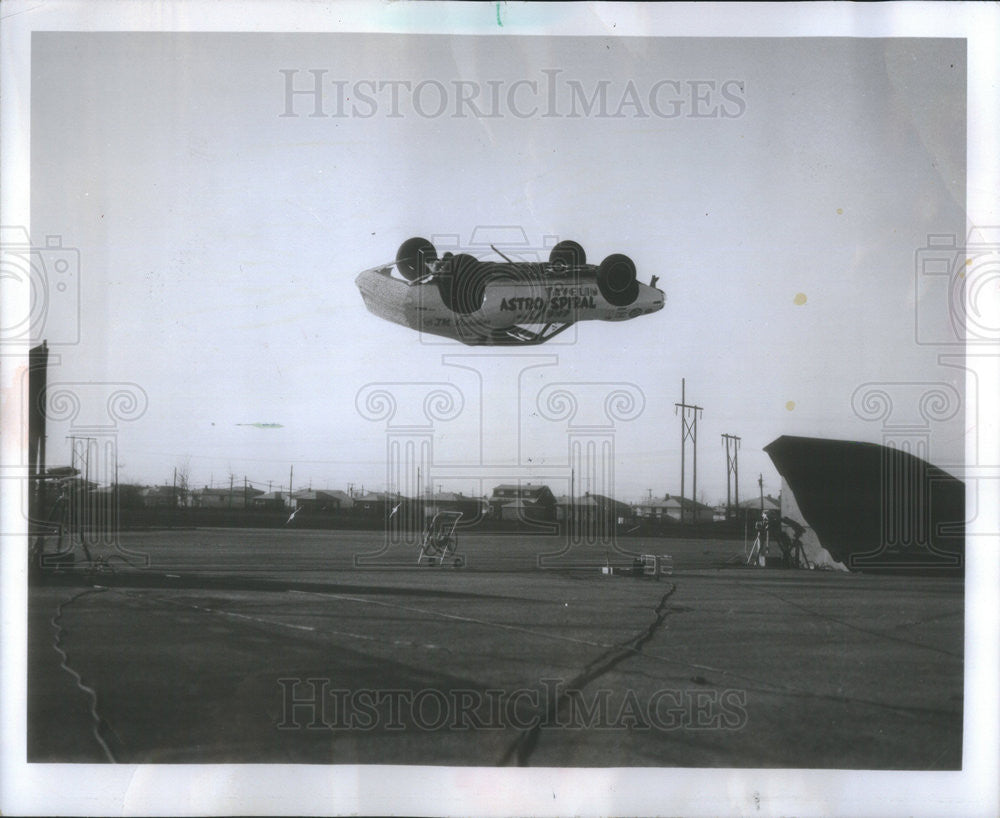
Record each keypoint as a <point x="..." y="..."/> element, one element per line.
<point x="266" y="789"/>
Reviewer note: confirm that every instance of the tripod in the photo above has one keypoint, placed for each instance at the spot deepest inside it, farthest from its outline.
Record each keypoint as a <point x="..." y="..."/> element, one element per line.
<point x="761" y="545"/>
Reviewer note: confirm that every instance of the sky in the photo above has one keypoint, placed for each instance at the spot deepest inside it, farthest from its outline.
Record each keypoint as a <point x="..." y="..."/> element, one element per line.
<point x="219" y="241"/>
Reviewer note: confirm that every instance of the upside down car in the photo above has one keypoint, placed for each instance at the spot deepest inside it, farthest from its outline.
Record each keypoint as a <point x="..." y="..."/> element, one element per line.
<point x="508" y="302"/>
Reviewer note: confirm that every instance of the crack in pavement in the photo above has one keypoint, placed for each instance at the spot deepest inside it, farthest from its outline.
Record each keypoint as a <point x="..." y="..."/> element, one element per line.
<point x="524" y="745"/>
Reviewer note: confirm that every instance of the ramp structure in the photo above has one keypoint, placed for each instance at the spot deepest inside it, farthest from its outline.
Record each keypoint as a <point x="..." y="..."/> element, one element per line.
<point x="874" y="507"/>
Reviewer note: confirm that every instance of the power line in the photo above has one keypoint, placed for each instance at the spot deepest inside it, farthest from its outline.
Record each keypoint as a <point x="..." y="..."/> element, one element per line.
<point x="689" y="431"/>
<point x="732" y="470"/>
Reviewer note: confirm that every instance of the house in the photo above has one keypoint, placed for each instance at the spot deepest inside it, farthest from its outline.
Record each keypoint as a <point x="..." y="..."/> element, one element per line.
<point x="614" y="511"/>
<point x="583" y="507"/>
<point x="322" y="501"/>
<point x="536" y="502"/>
<point x="376" y="503"/>
<point x="652" y="509"/>
<point x="237" y="497"/>
<point x="129" y="495"/>
<point x="270" y="501"/>
<point x="594" y="507"/>
<point x="524" y="510"/>
<point x="750" y="509"/>
<point x="471" y="508"/>
<point x="160" y="496"/>
<point x="677" y="509"/>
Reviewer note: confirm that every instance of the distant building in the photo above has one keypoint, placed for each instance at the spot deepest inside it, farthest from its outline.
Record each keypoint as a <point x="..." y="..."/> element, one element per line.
<point x="322" y="501"/>
<point x="471" y="508"/>
<point x="615" y="511"/>
<point x="238" y="497"/>
<point x="674" y="508"/>
<point x="270" y="501"/>
<point x="525" y="502"/>
<point x="523" y="510"/>
<point x="751" y="508"/>
<point x="584" y="507"/>
<point x="160" y="497"/>
<point x="376" y="502"/>
<point x="653" y="509"/>
<point x="129" y="496"/>
<point x="595" y="507"/>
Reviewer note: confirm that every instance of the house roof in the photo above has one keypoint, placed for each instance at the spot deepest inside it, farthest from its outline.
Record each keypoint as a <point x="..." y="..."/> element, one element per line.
<point x="601" y="499"/>
<point x="377" y="497"/>
<point x="754" y="503"/>
<point x="523" y="488"/>
<point x="673" y="502"/>
<point x="149" y="491"/>
<point x="321" y="494"/>
<point x="444" y="497"/>
<point x="236" y="491"/>
<point x="566" y="500"/>
<point x="656" y="502"/>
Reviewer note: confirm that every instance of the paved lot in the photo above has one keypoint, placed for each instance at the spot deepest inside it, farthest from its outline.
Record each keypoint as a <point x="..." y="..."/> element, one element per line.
<point x="263" y="646"/>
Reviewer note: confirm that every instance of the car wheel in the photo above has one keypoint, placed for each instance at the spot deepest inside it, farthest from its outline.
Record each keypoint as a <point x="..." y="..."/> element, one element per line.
<point x="413" y="257"/>
<point x="565" y="256"/>
<point x="616" y="280"/>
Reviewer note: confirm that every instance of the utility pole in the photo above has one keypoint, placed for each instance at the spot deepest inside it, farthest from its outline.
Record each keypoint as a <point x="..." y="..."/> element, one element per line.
<point x="291" y="471"/>
<point x="689" y="429"/>
<point x="732" y="470"/>
<point x="760" y="482"/>
<point x="230" y="490"/>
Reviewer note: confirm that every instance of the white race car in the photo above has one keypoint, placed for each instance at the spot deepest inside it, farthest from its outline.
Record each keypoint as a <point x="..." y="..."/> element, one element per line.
<point x="482" y="302"/>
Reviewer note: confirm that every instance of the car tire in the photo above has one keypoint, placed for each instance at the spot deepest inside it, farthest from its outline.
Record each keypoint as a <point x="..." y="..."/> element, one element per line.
<point x="616" y="280"/>
<point x="413" y="256"/>
<point x="565" y="256"/>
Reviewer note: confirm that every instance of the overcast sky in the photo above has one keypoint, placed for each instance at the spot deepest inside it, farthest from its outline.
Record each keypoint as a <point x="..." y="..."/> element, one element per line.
<point x="219" y="240"/>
